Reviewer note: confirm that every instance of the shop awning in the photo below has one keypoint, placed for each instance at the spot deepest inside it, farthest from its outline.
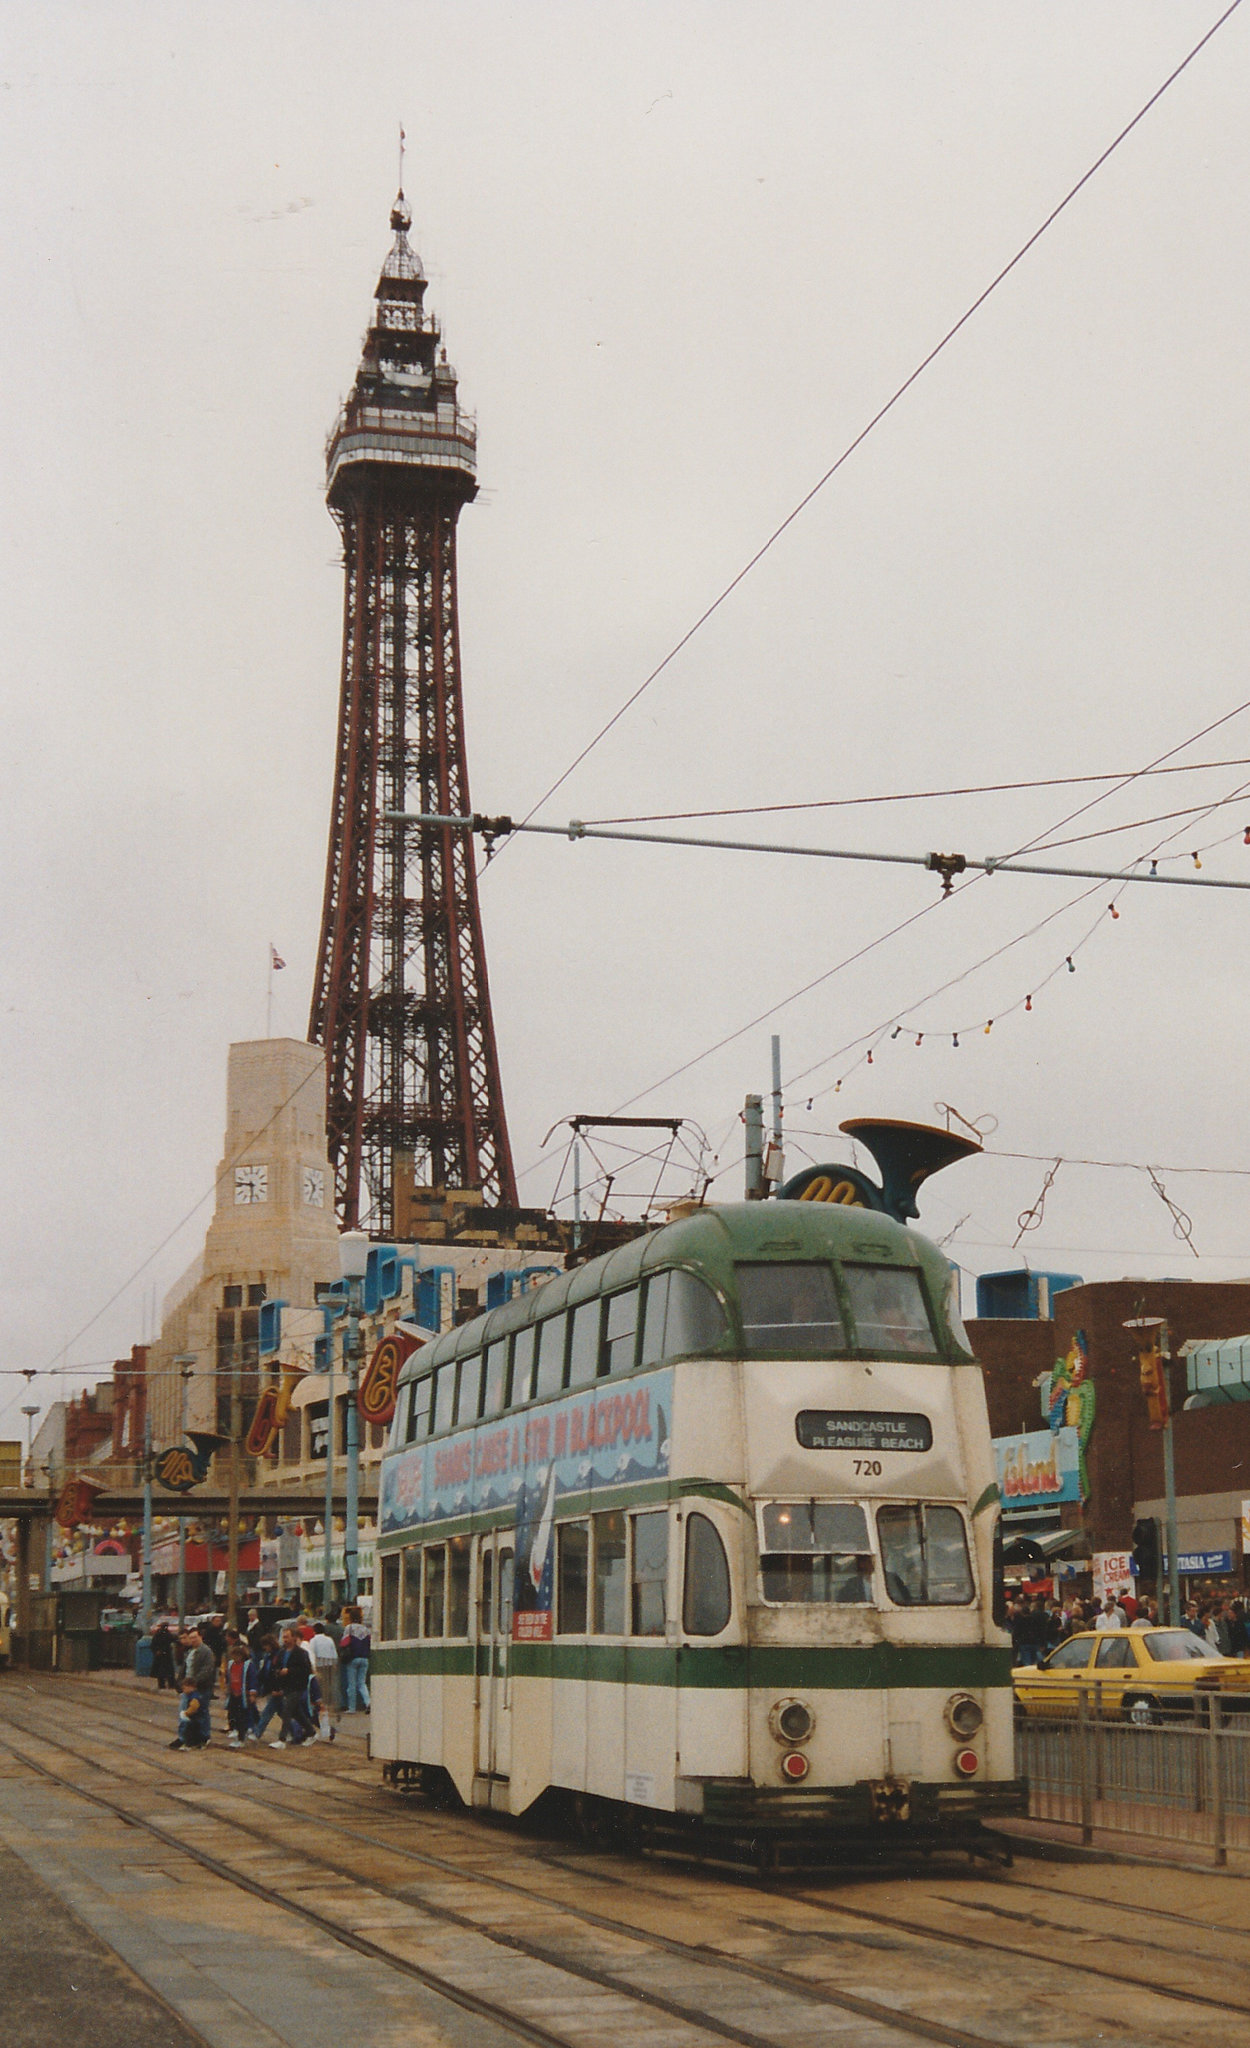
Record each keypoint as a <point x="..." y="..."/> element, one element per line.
<point x="1040" y="1549"/>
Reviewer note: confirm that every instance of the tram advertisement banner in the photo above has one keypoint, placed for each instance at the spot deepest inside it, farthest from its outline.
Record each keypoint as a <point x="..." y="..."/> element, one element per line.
<point x="614" y="1434"/>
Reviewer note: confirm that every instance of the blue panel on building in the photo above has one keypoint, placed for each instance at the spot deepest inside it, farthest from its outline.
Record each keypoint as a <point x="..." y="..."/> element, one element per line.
<point x="1021" y="1296"/>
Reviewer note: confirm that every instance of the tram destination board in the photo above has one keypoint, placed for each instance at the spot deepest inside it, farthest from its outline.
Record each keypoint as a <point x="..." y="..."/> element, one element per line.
<point x="862" y="1429"/>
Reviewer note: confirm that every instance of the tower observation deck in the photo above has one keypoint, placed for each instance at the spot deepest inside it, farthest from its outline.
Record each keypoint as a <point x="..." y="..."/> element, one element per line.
<point x="400" y="1000"/>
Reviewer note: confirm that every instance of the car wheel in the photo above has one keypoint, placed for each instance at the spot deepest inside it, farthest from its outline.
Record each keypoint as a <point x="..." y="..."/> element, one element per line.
<point x="1141" y="1712"/>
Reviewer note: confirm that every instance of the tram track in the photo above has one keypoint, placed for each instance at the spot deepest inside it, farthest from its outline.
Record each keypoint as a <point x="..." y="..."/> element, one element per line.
<point x="888" y="2018"/>
<point x="703" y="1957"/>
<point x="913" y="1929"/>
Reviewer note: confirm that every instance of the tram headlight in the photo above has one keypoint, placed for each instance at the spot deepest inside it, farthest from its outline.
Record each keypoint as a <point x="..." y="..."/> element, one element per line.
<point x="791" y="1721"/>
<point x="964" y="1715"/>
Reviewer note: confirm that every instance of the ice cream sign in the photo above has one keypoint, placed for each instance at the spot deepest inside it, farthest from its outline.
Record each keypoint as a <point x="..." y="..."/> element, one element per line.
<point x="1040" y="1468"/>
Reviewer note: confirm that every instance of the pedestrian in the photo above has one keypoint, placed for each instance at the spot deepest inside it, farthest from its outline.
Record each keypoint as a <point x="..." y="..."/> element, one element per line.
<point x="268" y="1682"/>
<point x="239" y="1687"/>
<point x="354" y="1647"/>
<point x="325" y="1658"/>
<point x="255" y="1630"/>
<point x="163" y="1657"/>
<point x="1112" y="1615"/>
<point x="198" y="1674"/>
<point x="296" y="1670"/>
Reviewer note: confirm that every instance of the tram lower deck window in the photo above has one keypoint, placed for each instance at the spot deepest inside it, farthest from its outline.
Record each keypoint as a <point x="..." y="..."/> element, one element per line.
<point x="390" y="1599"/>
<point x="924" y="1552"/>
<point x="410" y="1615"/>
<point x="814" y="1551"/>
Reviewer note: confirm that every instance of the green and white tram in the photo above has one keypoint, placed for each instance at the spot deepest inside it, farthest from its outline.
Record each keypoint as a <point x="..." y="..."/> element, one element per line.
<point x="702" y="1532"/>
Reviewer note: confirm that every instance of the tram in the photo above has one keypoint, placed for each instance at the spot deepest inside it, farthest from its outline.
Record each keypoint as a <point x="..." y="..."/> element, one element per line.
<point x="701" y="1536"/>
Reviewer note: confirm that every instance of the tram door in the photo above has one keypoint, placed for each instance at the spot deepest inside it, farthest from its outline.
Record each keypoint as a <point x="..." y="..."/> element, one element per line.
<point x="494" y="1648"/>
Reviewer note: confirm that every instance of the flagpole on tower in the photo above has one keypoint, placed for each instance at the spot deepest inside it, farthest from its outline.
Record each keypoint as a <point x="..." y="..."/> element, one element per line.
<point x="275" y="961"/>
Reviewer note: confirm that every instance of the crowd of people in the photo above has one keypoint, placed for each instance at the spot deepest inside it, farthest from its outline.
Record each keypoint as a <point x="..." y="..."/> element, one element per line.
<point x="1039" y="1621"/>
<point x="306" y="1670"/>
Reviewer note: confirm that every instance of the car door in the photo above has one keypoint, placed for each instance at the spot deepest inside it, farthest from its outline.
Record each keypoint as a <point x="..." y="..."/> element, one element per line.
<point x="1115" y="1670"/>
<point x="1053" y="1687"/>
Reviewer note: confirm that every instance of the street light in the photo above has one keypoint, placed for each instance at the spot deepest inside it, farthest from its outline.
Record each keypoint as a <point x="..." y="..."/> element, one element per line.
<point x="186" y="1363"/>
<point x="30" y="1414"/>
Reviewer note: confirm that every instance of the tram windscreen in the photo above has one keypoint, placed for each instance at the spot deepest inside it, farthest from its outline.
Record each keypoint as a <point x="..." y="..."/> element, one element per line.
<point x="888" y="1309"/>
<point x="789" y="1307"/>
<point x="924" y="1552"/>
<point x="815" y="1550"/>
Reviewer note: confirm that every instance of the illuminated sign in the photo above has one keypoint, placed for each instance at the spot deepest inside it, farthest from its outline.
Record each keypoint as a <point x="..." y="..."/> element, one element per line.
<point x="1038" y="1469"/>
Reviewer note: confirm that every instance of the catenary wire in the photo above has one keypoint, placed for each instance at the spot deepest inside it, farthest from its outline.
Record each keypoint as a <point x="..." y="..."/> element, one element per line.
<point x="884" y="410"/>
<point x="911" y="796"/>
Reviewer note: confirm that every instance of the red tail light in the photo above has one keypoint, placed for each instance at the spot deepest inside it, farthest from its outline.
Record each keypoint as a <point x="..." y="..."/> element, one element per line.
<point x="794" y="1765"/>
<point x="966" y="1762"/>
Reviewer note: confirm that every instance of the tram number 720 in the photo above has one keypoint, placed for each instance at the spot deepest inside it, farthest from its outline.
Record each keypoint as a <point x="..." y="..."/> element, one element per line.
<point x="868" y="1468"/>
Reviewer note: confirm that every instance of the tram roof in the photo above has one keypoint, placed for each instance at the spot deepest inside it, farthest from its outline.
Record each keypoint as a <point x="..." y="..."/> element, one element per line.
<point x="710" y="1241"/>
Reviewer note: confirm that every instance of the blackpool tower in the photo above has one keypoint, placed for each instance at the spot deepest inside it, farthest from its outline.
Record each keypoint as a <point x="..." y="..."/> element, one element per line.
<point x="400" y="1000"/>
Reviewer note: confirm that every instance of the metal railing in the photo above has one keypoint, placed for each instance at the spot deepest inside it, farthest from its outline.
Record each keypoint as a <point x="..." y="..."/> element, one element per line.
<point x="1185" y="1780"/>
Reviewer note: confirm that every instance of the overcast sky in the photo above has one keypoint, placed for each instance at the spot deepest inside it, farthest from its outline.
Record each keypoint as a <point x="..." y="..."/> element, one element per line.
<point x="682" y="253"/>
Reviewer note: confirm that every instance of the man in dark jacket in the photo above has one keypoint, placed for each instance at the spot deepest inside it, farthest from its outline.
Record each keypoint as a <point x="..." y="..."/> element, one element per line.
<point x="297" y="1722"/>
<point x="199" y="1672"/>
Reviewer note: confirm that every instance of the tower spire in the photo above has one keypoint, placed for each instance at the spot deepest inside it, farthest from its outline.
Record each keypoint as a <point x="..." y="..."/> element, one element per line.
<point x="401" y="1001"/>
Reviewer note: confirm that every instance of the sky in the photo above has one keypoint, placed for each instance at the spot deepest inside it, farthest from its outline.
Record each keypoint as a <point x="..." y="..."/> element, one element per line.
<point x="682" y="254"/>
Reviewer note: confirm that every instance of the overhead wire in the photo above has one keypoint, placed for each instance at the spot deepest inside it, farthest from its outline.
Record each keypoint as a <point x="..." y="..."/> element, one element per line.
<point x="884" y="410"/>
<point x="910" y="796"/>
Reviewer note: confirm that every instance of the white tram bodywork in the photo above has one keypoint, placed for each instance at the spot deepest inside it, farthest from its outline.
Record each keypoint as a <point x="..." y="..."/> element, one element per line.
<point x="690" y="1573"/>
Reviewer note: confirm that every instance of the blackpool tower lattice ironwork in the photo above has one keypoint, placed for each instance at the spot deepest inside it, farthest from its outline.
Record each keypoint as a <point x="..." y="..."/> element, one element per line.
<point x="400" y="1000"/>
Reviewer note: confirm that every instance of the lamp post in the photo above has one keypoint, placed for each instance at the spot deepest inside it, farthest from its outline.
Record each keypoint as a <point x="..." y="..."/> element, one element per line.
<point x="327" y="1575"/>
<point x="147" y="1518"/>
<point x="355" y="1246"/>
<point x="30" y="1414"/>
<point x="1154" y="1353"/>
<point x="185" y="1362"/>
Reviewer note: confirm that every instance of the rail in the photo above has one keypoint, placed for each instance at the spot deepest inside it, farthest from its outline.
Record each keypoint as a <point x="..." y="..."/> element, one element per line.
<point x="1185" y="1780"/>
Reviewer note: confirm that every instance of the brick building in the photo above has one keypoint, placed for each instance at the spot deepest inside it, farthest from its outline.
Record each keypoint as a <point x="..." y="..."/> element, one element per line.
<point x="1124" y="1457"/>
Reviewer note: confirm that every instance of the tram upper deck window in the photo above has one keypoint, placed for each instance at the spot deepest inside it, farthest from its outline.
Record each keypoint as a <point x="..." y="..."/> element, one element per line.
<point x="522" y="1366"/>
<point x="680" y="1316"/>
<point x="496" y="1378"/>
<point x="420" y="1394"/>
<point x="444" y="1397"/>
<point x="621" y="1330"/>
<point x="888" y="1309"/>
<point x="789" y="1307"/>
<point x="924" y="1551"/>
<point x="815" y="1551"/>
<point x="468" y="1389"/>
<point x="549" y="1344"/>
<point x="584" y="1343"/>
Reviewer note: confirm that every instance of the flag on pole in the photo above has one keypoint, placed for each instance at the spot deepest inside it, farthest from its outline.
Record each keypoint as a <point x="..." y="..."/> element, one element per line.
<point x="275" y="958"/>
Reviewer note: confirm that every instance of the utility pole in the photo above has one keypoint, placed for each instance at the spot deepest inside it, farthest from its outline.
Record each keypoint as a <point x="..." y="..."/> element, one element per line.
<point x="753" y="1118"/>
<point x="327" y="1577"/>
<point x="232" y="1529"/>
<point x="185" y="1362"/>
<point x="777" y="1159"/>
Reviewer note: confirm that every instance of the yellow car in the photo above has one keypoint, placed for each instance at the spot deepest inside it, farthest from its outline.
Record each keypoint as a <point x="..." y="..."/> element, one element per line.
<point x="1131" y="1674"/>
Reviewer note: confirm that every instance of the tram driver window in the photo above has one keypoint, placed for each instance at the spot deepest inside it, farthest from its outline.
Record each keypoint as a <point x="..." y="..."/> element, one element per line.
<point x="706" y="1599"/>
<point x="924" y="1551"/>
<point x="888" y="1309"/>
<point x="789" y="1307"/>
<point x="815" y="1551"/>
<point x="649" y="1604"/>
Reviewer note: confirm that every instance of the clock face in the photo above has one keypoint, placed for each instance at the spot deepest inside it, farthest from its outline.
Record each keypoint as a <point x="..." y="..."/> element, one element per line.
<point x="251" y="1184"/>
<point x="314" y="1187"/>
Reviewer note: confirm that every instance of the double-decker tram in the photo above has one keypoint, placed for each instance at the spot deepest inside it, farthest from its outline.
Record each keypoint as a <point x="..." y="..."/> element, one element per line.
<point x="702" y="1534"/>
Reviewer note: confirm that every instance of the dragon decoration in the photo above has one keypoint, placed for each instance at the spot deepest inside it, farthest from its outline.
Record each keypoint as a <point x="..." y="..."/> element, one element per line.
<point x="1068" y="1398"/>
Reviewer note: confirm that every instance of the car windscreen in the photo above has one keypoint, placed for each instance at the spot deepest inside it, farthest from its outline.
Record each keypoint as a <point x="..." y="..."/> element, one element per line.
<point x="1175" y="1645"/>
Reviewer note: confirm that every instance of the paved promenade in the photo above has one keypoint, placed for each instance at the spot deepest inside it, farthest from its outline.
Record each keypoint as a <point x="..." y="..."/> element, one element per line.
<point x="289" y="1899"/>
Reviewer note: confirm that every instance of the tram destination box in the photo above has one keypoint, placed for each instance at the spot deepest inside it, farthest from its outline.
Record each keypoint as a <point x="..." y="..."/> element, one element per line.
<point x="862" y="1429"/>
